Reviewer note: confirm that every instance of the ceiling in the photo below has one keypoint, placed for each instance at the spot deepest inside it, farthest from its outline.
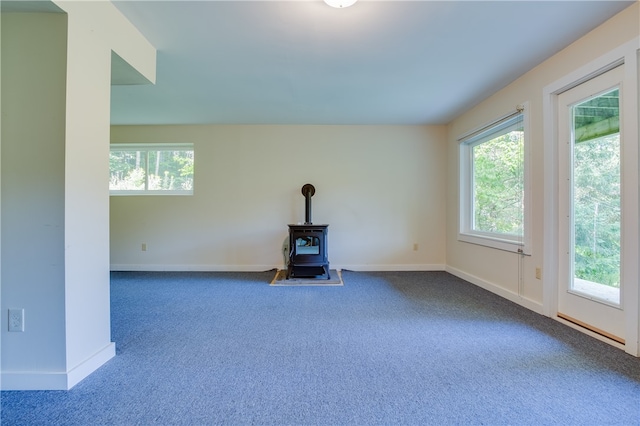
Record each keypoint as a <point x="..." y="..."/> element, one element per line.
<point x="377" y="62"/>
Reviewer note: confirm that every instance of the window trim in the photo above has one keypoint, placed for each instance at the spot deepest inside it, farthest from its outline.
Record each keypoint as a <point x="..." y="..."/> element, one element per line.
<point x="466" y="233"/>
<point x="146" y="147"/>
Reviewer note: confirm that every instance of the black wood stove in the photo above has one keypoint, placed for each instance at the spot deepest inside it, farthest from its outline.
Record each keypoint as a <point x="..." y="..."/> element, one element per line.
<point x="308" y="245"/>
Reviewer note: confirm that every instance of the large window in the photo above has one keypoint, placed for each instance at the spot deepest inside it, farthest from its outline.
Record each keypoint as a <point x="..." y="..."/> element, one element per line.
<point x="159" y="169"/>
<point x="493" y="185"/>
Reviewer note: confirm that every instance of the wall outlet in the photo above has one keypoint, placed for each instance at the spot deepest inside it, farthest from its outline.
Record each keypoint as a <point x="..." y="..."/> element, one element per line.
<point x="538" y="273"/>
<point x="16" y="319"/>
<point x="144" y="246"/>
<point x="415" y="246"/>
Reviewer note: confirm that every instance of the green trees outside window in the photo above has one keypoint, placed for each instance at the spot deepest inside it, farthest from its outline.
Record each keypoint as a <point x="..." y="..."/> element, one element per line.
<point x="596" y="187"/>
<point x="596" y="174"/>
<point x="498" y="184"/>
<point x="139" y="169"/>
<point x="494" y="198"/>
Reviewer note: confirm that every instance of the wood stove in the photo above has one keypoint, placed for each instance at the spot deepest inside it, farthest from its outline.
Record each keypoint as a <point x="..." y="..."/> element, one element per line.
<point x="308" y="255"/>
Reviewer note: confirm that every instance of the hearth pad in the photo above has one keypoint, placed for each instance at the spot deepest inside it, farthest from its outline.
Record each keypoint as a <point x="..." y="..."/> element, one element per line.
<point x="281" y="280"/>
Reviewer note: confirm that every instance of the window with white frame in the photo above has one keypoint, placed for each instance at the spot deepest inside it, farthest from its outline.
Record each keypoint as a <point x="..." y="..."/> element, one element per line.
<point x="151" y="169"/>
<point x="493" y="184"/>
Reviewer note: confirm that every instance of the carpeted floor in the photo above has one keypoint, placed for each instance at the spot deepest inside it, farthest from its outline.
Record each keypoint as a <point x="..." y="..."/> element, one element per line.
<point x="414" y="348"/>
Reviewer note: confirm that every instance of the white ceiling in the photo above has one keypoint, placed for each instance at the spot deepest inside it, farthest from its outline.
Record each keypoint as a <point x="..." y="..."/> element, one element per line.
<point x="377" y="62"/>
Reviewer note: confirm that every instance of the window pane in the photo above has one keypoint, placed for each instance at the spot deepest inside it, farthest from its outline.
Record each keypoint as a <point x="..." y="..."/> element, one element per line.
<point x="498" y="184"/>
<point x="138" y="169"/>
<point x="127" y="170"/>
<point x="170" y="170"/>
<point x="596" y="197"/>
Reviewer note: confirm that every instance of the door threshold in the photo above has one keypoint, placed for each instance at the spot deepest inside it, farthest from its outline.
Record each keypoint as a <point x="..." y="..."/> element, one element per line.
<point x="591" y="328"/>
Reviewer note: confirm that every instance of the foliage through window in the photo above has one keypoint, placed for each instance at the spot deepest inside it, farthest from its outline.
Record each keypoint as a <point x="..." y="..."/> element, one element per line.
<point x="493" y="194"/>
<point x="137" y="169"/>
<point x="596" y="175"/>
<point x="597" y="181"/>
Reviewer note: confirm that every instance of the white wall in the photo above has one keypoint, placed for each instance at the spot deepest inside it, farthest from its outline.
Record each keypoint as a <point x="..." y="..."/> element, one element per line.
<point x="498" y="270"/>
<point x="33" y="137"/>
<point x="56" y="73"/>
<point x="380" y="188"/>
<point x="94" y="30"/>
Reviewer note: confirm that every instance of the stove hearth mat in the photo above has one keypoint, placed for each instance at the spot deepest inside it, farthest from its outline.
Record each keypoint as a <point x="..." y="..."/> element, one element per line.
<point x="281" y="279"/>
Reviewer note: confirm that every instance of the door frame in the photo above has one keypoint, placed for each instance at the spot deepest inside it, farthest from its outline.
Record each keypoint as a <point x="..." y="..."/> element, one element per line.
<point x="604" y="317"/>
<point x="626" y="54"/>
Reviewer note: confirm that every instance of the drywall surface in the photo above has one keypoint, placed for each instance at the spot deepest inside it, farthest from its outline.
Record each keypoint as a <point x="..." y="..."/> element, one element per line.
<point x="95" y="29"/>
<point x="510" y="274"/>
<point x="56" y="74"/>
<point x="33" y="137"/>
<point x="381" y="189"/>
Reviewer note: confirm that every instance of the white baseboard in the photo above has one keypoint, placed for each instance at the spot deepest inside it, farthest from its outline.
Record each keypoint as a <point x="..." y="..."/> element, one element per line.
<point x="192" y="268"/>
<point x="26" y="380"/>
<point x="261" y="268"/>
<point x="79" y="372"/>
<point x="391" y="267"/>
<point x="500" y="291"/>
<point x="56" y="380"/>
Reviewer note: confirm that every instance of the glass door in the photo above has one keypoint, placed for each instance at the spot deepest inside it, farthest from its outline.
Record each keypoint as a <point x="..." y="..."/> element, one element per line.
<point x="590" y="284"/>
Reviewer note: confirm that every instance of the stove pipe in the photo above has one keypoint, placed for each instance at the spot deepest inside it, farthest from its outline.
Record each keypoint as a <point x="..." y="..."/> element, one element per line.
<point x="307" y="190"/>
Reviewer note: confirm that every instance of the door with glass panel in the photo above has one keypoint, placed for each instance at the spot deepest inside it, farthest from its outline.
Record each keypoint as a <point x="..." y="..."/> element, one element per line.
<point x="590" y="285"/>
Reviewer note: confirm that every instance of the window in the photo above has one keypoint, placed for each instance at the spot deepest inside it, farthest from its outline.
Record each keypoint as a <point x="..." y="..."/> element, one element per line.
<point x="493" y="185"/>
<point x="145" y="169"/>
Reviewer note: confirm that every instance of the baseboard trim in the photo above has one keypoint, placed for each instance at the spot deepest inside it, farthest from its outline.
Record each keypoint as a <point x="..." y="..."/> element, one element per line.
<point x="591" y="328"/>
<point x="81" y="371"/>
<point x="509" y="295"/>
<point x="192" y="268"/>
<point x="261" y="268"/>
<point x="391" y="267"/>
<point x="26" y="380"/>
<point x="500" y="291"/>
<point x="56" y="380"/>
<point x="584" y="330"/>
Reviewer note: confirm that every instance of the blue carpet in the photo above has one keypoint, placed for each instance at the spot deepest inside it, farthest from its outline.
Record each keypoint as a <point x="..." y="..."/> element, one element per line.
<point x="414" y="348"/>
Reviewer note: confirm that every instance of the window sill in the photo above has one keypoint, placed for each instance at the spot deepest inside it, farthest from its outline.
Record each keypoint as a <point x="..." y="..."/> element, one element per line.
<point x="148" y="193"/>
<point x="495" y="242"/>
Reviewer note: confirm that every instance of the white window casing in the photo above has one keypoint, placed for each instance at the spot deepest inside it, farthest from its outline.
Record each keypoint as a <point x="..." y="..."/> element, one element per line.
<point x="518" y="242"/>
<point x="143" y="178"/>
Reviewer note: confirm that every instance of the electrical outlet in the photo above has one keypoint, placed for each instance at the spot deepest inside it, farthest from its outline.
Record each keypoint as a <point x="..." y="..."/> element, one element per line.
<point x="538" y="273"/>
<point x="144" y="246"/>
<point x="16" y="319"/>
<point x="415" y="246"/>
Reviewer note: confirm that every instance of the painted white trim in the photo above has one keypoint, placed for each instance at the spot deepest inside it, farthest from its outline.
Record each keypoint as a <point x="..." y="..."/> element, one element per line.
<point x="27" y="380"/>
<point x="79" y="372"/>
<point x="495" y="289"/>
<point x="627" y="53"/>
<point x="146" y="148"/>
<point x="56" y="380"/>
<point x="513" y="246"/>
<point x="631" y="237"/>
<point x="598" y="66"/>
<point x="192" y="267"/>
<point x="590" y="333"/>
<point x="394" y="267"/>
<point x="551" y="232"/>
<point x="262" y="268"/>
<point x="466" y="233"/>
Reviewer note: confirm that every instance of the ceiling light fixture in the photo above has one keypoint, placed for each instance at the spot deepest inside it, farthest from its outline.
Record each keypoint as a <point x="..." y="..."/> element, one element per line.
<point x="340" y="4"/>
